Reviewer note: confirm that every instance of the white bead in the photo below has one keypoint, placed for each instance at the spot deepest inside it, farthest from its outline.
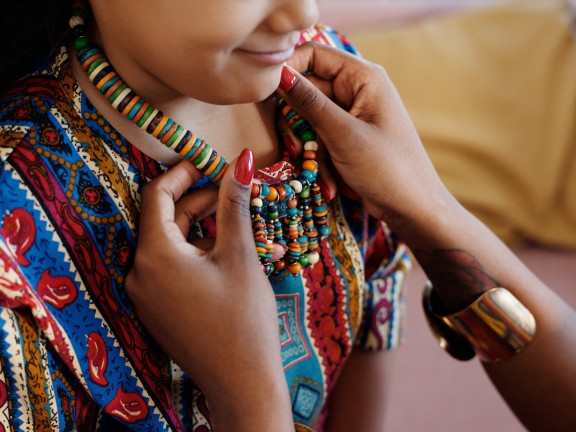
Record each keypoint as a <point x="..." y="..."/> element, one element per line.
<point x="311" y="145"/>
<point x="75" y="20"/>
<point x="256" y="202"/>
<point x="296" y="185"/>
<point x="313" y="257"/>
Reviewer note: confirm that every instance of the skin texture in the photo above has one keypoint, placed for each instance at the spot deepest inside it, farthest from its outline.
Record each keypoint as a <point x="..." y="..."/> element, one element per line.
<point x="460" y="255"/>
<point x="197" y="49"/>
<point x="191" y="59"/>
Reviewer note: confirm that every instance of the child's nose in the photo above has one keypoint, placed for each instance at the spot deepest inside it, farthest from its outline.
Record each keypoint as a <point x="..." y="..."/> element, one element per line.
<point x="293" y="15"/>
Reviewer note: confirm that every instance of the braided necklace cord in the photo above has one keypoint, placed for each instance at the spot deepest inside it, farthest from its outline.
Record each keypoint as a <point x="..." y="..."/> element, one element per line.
<point x="291" y="213"/>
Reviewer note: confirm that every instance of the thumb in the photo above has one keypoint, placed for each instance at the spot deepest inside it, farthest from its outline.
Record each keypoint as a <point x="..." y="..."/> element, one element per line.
<point x="234" y="230"/>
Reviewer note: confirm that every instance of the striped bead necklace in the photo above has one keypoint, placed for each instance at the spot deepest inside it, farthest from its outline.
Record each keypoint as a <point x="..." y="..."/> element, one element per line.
<point x="291" y="213"/>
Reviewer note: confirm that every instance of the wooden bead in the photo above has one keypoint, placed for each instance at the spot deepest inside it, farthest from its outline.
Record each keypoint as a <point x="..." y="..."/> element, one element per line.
<point x="309" y="154"/>
<point x="295" y="268"/>
<point x="311" y="145"/>
<point x="272" y="195"/>
<point x="310" y="165"/>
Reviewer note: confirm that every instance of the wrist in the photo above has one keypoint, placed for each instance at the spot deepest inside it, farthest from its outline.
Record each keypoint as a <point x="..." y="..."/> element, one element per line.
<point x="426" y="222"/>
<point x="258" y="404"/>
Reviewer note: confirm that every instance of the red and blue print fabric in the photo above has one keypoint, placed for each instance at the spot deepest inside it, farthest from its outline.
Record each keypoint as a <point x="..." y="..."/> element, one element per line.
<point x="73" y="355"/>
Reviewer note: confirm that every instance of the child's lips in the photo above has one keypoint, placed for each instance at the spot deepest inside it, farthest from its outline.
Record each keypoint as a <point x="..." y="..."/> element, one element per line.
<point x="269" y="57"/>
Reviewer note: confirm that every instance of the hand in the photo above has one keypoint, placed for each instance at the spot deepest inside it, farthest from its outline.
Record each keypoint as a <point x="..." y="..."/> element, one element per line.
<point x="357" y="113"/>
<point x="213" y="311"/>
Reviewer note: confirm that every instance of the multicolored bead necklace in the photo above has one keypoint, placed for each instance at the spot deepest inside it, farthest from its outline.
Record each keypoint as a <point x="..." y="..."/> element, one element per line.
<point x="291" y="213"/>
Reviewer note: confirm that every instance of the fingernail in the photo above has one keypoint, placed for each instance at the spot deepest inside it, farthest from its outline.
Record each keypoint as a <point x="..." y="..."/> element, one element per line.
<point x="290" y="146"/>
<point x="324" y="190"/>
<point x="279" y="250"/>
<point x="288" y="79"/>
<point x="244" y="171"/>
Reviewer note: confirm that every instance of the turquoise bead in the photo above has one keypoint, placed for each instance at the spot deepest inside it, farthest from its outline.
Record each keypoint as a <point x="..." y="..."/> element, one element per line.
<point x="289" y="191"/>
<point x="308" y="175"/>
<point x="264" y="190"/>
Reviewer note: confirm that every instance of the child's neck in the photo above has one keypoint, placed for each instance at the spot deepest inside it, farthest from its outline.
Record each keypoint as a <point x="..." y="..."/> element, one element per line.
<point x="247" y="125"/>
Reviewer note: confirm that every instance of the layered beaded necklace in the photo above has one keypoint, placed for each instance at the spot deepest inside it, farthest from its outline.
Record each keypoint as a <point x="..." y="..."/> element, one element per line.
<point x="291" y="213"/>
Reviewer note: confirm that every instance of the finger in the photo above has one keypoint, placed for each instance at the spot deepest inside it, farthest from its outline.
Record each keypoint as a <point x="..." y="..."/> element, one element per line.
<point x="326" y="181"/>
<point x="355" y="82"/>
<point x="333" y="61"/>
<point x="278" y="251"/>
<point x="158" y="198"/>
<point x="233" y="227"/>
<point x="204" y="244"/>
<point x="194" y="207"/>
<point x="325" y="116"/>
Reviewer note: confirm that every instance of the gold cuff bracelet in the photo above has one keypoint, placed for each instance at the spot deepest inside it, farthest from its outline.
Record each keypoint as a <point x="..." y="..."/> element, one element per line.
<point x="299" y="427"/>
<point x="496" y="326"/>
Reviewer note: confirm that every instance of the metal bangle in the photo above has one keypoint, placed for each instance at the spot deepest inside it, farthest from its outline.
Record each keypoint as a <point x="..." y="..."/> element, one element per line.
<point x="299" y="427"/>
<point x="496" y="326"/>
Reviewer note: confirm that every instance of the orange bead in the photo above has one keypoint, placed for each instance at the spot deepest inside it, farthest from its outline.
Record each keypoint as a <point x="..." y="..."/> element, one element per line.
<point x="309" y="154"/>
<point x="255" y="192"/>
<point x="294" y="268"/>
<point x="272" y="195"/>
<point x="260" y="239"/>
<point x="310" y="165"/>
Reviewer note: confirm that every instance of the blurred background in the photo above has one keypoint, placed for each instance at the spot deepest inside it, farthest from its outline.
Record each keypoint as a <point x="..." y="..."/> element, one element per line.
<point x="491" y="88"/>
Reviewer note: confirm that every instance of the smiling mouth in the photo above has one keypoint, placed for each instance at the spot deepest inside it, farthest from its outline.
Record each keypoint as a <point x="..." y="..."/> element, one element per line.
<point x="270" y="58"/>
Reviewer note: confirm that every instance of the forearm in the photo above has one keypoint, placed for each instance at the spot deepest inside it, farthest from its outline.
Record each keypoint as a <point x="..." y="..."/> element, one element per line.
<point x="463" y="258"/>
<point x="260" y="408"/>
<point x="358" y="402"/>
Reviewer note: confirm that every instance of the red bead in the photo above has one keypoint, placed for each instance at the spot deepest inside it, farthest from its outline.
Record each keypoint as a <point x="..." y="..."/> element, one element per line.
<point x="281" y="192"/>
<point x="279" y="265"/>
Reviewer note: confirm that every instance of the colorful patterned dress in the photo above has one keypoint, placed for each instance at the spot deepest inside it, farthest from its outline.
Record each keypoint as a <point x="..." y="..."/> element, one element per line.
<point x="73" y="355"/>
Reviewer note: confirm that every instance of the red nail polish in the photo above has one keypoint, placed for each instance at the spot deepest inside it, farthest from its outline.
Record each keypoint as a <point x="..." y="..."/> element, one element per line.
<point x="244" y="171"/>
<point x="290" y="146"/>
<point x="324" y="190"/>
<point x="288" y="79"/>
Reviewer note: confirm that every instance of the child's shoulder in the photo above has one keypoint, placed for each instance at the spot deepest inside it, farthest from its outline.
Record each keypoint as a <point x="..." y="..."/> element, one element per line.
<point x="42" y="83"/>
<point x="28" y="106"/>
<point x="326" y="35"/>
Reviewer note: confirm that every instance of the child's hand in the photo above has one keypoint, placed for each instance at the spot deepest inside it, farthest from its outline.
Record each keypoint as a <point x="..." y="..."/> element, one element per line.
<point x="357" y="113"/>
<point x="213" y="311"/>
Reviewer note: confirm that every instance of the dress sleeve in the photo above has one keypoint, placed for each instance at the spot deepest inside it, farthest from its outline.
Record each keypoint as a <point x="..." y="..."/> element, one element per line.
<point x="387" y="264"/>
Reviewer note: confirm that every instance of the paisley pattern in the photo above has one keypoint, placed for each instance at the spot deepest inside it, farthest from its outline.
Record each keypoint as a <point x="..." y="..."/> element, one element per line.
<point x="73" y="355"/>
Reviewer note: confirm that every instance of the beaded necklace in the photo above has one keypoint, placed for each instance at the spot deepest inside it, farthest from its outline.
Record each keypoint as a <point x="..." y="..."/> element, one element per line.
<point x="291" y="213"/>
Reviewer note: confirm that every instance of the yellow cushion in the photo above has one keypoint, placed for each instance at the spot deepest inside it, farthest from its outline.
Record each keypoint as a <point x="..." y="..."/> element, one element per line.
<point x="493" y="94"/>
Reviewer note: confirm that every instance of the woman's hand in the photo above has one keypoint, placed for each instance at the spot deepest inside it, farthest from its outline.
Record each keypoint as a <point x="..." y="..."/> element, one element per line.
<point x="374" y="147"/>
<point x="362" y="122"/>
<point x="213" y="311"/>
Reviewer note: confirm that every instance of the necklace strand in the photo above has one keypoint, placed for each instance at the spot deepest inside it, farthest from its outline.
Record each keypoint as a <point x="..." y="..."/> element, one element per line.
<point x="291" y="213"/>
